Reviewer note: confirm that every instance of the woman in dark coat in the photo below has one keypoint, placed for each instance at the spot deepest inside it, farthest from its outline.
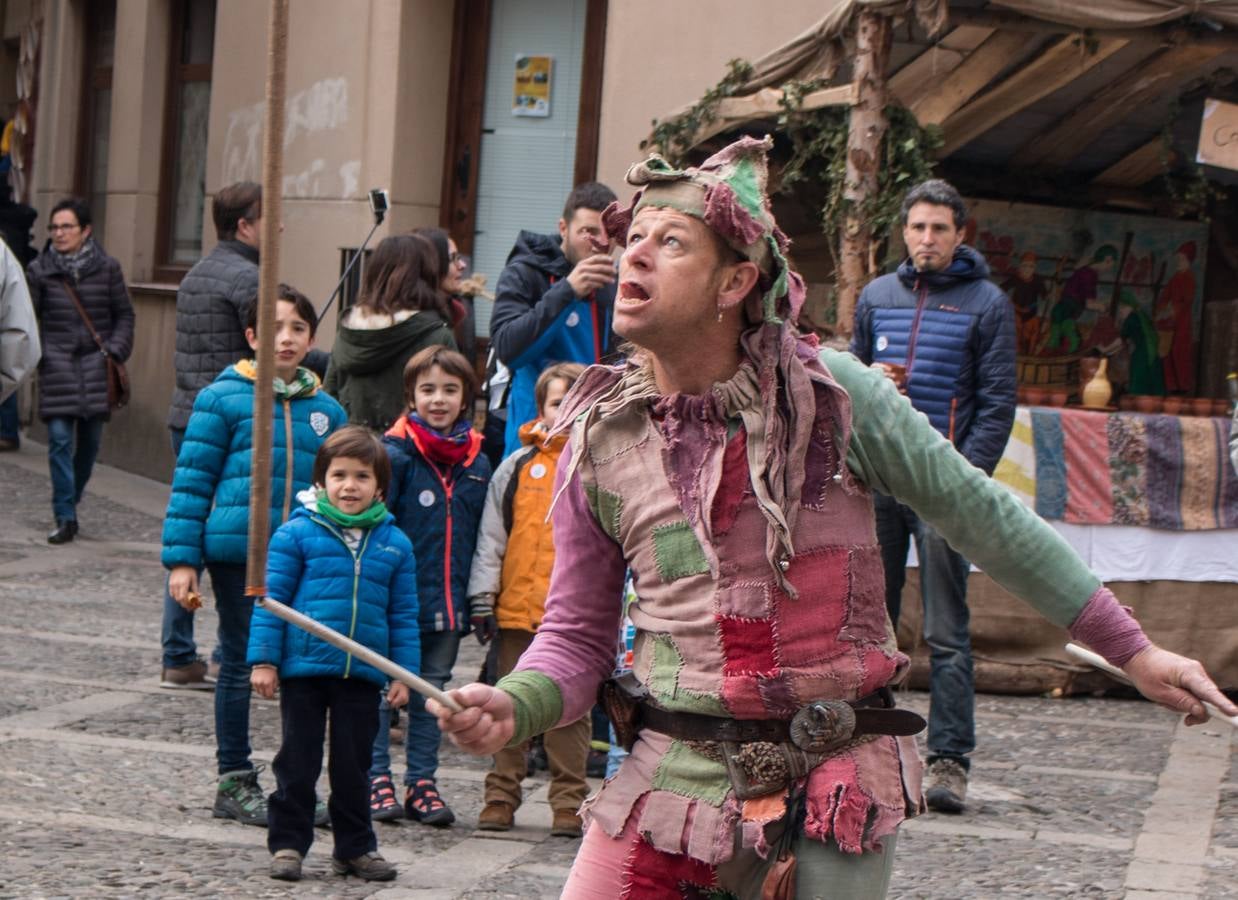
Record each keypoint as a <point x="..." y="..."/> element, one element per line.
<point x="73" y="398"/>
<point x="451" y="269"/>
<point x="401" y="311"/>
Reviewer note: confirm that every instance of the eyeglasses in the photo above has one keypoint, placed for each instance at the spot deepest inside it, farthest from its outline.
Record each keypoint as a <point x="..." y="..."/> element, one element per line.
<point x="458" y="258"/>
<point x="54" y="228"/>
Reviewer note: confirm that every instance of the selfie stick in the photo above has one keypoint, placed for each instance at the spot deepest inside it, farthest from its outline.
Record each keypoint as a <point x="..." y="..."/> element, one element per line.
<point x="378" y="206"/>
<point x="1099" y="662"/>
<point x="363" y="653"/>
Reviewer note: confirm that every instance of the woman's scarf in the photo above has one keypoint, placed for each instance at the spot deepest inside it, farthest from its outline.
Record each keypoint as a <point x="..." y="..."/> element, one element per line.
<point x="77" y="262"/>
<point x="444" y="449"/>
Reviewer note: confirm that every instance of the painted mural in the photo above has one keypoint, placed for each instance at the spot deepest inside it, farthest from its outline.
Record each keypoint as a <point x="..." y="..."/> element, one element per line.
<point x="1127" y="287"/>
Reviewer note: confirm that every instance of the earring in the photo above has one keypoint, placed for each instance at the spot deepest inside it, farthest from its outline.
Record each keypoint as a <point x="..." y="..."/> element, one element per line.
<point x="719" y="315"/>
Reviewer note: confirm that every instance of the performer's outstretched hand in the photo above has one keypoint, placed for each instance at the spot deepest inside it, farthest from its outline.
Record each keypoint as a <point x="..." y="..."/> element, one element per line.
<point x="486" y="724"/>
<point x="1176" y="682"/>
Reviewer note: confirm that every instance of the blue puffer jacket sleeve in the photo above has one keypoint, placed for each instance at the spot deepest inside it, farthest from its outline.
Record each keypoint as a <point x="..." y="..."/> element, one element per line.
<point x="994" y="399"/>
<point x="402" y="613"/>
<point x="285" y="565"/>
<point x="198" y="471"/>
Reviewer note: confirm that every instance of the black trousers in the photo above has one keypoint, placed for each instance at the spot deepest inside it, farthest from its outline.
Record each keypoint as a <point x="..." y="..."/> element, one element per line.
<point x="304" y="704"/>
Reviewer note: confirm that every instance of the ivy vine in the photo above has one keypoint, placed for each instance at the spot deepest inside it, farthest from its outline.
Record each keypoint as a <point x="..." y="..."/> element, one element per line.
<point x="815" y="143"/>
<point x="1188" y="187"/>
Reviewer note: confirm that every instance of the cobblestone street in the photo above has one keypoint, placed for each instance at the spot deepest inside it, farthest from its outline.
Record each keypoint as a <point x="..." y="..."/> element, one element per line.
<point x="106" y="780"/>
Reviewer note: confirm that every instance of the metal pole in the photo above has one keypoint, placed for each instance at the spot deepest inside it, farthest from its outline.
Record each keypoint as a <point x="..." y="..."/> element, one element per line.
<point x="268" y="281"/>
<point x="363" y="653"/>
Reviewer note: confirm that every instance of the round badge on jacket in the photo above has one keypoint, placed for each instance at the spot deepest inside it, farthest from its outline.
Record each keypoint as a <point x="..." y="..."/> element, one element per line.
<point x="573" y="319"/>
<point x="538" y="470"/>
<point x="882" y="342"/>
<point x="426" y="498"/>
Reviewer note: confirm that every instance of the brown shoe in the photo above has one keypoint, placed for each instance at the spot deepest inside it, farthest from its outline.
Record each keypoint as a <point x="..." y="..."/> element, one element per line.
<point x="191" y="677"/>
<point x="566" y="824"/>
<point x="498" y="815"/>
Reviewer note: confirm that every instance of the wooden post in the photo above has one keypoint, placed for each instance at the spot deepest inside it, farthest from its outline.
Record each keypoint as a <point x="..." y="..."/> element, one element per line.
<point x="867" y="128"/>
<point x="268" y="282"/>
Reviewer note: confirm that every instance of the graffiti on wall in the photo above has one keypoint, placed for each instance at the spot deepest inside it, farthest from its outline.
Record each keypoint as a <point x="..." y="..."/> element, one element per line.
<point x="1128" y="287"/>
<point x="321" y="107"/>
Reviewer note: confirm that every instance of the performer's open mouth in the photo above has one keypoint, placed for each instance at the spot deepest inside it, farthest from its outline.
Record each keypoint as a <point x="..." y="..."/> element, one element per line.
<point x="632" y="293"/>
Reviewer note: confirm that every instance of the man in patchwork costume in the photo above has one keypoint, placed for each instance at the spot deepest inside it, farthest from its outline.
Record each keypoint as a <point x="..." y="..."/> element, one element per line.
<point x="730" y="464"/>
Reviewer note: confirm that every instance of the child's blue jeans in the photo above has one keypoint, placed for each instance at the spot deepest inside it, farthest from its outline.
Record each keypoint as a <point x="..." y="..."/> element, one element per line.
<point x="421" y="741"/>
<point x="232" y="688"/>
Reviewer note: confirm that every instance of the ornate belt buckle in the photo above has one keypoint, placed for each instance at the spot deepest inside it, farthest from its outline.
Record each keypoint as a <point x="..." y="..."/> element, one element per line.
<point x="745" y="788"/>
<point x="822" y="726"/>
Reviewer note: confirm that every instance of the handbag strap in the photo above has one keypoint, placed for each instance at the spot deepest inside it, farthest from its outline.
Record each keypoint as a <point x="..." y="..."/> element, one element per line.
<point x="81" y="311"/>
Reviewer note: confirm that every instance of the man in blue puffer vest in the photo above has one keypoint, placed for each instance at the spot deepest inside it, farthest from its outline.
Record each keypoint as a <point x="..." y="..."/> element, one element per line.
<point x="952" y="332"/>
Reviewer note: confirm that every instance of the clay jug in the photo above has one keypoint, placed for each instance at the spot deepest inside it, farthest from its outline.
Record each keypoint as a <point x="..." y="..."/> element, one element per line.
<point x="1098" y="392"/>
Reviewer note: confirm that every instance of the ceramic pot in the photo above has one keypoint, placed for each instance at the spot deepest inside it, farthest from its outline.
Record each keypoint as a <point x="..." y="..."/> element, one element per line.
<point x="1098" y="391"/>
<point x="1172" y="406"/>
<point x="1201" y="406"/>
<point x="1220" y="408"/>
<point x="1058" y="398"/>
<point x="1126" y="402"/>
<point x="1036" y="396"/>
<point x="1147" y="403"/>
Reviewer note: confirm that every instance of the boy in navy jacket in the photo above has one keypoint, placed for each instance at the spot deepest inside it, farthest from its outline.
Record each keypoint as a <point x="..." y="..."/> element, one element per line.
<point x="438" y="490"/>
<point x="341" y="561"/>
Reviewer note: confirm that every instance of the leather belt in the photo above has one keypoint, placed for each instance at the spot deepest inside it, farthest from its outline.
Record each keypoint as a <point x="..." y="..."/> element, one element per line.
<point x="813" y="728"/>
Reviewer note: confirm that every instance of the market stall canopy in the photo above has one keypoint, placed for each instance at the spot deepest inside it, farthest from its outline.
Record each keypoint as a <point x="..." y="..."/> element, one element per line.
<point x="1083" y="88"/>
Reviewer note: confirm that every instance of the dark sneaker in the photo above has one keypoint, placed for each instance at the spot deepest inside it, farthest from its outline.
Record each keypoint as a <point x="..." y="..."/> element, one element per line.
<point x="286" y="865"/>
<point x="239" y="797"/>
<point x="538" y="761"/>
<point x="595" y="763"/>
<point x="423" y="804"/>
<point x="566" y="824"/>
<point x="945" y="785"/>
<point x="322" y="816"/>
<point x="369" y="866"/>
<point x="191" y="677"/>
<point x="498" y="815"/>
<point x="384" y="807"/>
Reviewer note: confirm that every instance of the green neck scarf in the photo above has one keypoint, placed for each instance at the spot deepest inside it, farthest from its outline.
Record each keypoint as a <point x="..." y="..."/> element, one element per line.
<point x="373" y="516"/>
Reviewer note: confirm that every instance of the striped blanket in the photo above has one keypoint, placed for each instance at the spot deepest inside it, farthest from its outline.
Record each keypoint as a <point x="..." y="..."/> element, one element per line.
<point x="1122" y="468"/>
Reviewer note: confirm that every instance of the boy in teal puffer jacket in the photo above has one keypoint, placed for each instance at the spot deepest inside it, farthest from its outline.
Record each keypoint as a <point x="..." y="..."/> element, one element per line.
<point x="341" y="561"/>
<point x="207" y="524"/>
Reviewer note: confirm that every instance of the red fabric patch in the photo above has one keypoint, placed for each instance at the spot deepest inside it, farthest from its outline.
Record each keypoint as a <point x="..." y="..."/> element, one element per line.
<point x="732" y="485"/>
<point x="747" y="646"/>
<point x="809" y="626"/>
<point x="651" y="874"/>
<point x="866" y="603"/>
<point x="742" y="696"/>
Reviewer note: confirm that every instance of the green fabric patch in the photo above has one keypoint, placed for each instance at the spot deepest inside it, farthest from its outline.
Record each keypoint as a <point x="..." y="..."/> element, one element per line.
<point x="664" y="683"/>
<point x="677" y="552"/>
<point x="687" y="773"/>
<point x="537" y="701"/>
<point x="607" y="508"/>
<point x="746" y="183"/>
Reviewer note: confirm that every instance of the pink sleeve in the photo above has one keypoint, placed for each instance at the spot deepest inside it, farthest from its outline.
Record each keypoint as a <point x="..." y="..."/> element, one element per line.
<point x="576" y="643"/>
<point x="1109" y="628"/>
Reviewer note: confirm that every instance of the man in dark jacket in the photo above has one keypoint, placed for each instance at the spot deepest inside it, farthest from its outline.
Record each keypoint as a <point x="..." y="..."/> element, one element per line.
<point x="554" y="301"/>
<point x="946" y="335"/>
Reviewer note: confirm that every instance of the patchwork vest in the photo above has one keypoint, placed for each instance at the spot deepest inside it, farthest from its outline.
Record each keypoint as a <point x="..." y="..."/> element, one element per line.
<point x="720" y="636"/>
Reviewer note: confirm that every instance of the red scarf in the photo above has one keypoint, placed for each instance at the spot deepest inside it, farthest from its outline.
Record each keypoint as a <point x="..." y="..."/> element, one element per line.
<point x="443" y="449"/>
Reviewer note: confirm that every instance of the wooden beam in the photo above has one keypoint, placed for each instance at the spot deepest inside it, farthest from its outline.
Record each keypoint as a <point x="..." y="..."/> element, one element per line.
<point x="971" y="76"/>
<point x="1174" y="33"/>
<point x="1138" y="167"/>
<point x="765" y="103"/>
<point x="1052" y="70"/>
<point x="874" y="34"/>
<point x="917" y="77"/>
<point x="1147" y="82"/>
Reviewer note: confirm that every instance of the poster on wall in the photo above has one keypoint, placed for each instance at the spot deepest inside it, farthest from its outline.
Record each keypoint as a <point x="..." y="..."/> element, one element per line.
<point x="531" y="94"/>
<point x="1083" y="282"/>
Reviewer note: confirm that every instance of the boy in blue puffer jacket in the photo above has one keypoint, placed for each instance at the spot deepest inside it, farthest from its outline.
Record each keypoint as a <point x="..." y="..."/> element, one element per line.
<point x="438" y="490"/>
<point x="207" y="523"/>
<point x="341" y="561"/>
